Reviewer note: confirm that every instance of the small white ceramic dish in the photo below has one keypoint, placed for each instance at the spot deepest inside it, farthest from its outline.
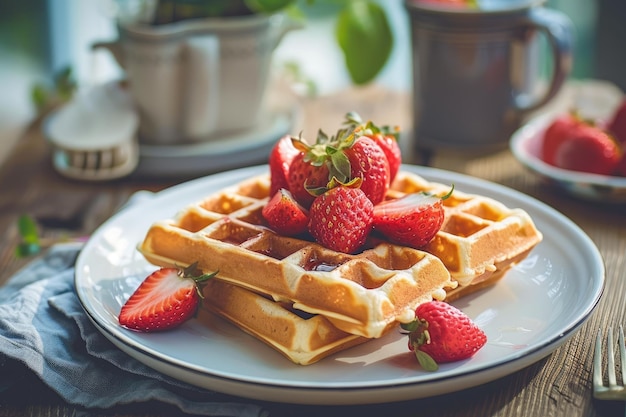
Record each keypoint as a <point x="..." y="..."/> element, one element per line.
<point x="536" y="307"/>
<point x="526" y="146"/>
<point x="95" y="134"/>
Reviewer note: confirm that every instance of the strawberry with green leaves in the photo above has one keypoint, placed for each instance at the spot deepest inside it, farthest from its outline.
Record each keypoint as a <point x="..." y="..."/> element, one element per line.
<point x="442" y="333"/>
<point x="344" y="157"/>
<point x="284" y="215"/>
<point x="384" y="136"/>
<point x="308" y="172"/>
<point x="165" y="299"/>
<point x="341" y="218"/>
<point x="412" y="220"/>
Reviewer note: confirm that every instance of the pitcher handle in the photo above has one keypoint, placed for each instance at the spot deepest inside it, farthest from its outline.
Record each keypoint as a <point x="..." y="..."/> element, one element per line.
<point x="114" y="47"/>
<point x="558" y="29"/>
<point x="202" y="96"/>
<point x="281" y="25"/>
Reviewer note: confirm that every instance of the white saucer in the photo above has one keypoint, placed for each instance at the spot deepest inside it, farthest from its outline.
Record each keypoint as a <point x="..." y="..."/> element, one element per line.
<point x="199" y="159"/>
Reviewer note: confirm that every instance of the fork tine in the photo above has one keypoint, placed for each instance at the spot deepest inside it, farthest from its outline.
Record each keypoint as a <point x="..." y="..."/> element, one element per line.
<point x="622" y="353"/>
<point x="597" y="362"/>
<point x="611" y="359"/>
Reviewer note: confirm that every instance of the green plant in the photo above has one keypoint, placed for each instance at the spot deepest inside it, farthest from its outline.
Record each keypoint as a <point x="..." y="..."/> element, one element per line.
<point x="362" y="30"/>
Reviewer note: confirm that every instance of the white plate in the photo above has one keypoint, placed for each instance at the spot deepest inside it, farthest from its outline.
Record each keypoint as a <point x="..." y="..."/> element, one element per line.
<point x="533" y="310"/>
<point x="526" y="146"/>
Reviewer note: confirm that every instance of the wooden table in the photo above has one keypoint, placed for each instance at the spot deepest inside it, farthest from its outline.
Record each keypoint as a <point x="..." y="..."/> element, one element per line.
<point x="559" y="385"/>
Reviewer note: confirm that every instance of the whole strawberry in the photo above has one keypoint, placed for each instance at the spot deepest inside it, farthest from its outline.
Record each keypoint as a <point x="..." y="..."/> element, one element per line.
<point x="280" y="159"/>
<point x="442" y="333"/>
<point x="165" y="299"/>
<point x="384" y="137"/>
<point x="341" y="218"/>
<point x="589" y="149"/>
<point x="558" y="132"/>
<point x="308" y="172"/>
<point x="284" y="215"/>
<point x="412" y="220"/>
<point x="617" y="124"/>
<point x="368" y="162"/>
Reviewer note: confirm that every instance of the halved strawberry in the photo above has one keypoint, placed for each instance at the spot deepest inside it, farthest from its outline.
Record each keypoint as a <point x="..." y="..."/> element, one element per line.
<point x="284" y="215"/>
<point x="412" y="220"/>
<point x="280" y="159"/>
<point x="442" y="333"/>
<point x="165" y="299"/>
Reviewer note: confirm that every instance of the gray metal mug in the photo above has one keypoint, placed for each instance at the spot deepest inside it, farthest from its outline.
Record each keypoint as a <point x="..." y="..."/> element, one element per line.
<point x="476" y="71"/>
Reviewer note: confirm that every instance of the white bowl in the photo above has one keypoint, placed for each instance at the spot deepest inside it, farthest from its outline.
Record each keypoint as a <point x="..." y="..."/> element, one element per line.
<point x="526" y="146"/>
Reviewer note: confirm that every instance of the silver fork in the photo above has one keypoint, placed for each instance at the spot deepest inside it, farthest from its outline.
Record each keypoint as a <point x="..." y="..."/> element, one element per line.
<point x="613" y="391"/>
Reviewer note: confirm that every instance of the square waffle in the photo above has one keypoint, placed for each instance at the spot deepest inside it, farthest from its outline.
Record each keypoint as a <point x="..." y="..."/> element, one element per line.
<point x="301" y="337"/>
<point x="480" y="238"/>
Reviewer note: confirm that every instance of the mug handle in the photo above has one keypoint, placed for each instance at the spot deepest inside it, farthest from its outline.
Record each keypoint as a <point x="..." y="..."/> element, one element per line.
<point x="558" y="29"/>
<point x="202" y="95"/>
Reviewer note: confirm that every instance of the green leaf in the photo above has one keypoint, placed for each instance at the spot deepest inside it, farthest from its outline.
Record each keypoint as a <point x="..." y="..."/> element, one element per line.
<point x="426" y="361"/>
<point x="365" y="37"/>
<point x="29" y="244"/>
<point x="27" y="229"/>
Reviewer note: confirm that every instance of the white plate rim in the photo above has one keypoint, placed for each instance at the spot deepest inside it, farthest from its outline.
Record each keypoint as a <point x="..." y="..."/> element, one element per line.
<point x="365" y="392"/>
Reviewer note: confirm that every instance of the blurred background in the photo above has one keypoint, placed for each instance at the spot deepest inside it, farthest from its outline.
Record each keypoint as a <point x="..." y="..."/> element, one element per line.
<point x="41" y="39"/>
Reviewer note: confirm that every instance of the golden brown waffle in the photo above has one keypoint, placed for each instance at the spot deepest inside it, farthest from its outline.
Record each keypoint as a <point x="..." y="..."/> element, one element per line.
<point x="364" y="294"/>
<point x="301" y="337"/>
<point x="480" y="237"/>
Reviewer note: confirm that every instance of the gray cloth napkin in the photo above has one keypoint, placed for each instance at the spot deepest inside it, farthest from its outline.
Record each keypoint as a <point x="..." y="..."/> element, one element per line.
<point x="43" y="326"/>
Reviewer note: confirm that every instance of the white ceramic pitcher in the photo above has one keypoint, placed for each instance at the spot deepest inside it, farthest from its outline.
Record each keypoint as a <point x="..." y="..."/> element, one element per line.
<point x="199" y="79"/>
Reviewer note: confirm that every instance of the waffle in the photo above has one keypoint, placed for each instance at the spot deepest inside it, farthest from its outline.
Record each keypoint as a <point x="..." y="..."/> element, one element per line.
<point x="301" y="337"/>
<point x="364" y="294"/>
<point x="480" y="238"/>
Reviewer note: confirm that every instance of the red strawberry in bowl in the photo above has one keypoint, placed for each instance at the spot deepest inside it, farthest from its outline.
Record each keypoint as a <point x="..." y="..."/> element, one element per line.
<point x="165" y="299"/>
<point x="588" y="149"/>
<point x="617" y="123"/>
<point x="442" y="333"/>
<point x="558" y="132"/>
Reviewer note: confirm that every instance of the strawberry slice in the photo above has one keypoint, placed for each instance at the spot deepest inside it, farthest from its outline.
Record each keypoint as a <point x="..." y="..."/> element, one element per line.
<point x="165" y="299"/>
<point x="412" y="220"/>
<point x="442" y="333"/>
<point x="284" y="215"/>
